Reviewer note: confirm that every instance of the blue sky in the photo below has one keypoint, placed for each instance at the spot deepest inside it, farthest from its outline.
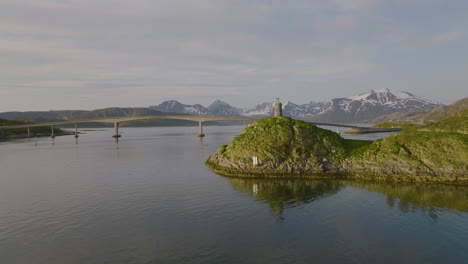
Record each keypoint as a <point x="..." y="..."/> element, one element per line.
<point x="82" y="54"/>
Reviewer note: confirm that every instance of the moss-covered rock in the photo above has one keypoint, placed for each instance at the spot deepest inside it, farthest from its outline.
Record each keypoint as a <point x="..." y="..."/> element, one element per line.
<point x="414" y="156"/>
<point x="282" y="145"/>
<point x="292" y="148"/>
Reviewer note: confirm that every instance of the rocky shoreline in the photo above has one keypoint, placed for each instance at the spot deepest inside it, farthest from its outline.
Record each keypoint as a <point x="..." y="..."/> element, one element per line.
<point x="375" y="174"/>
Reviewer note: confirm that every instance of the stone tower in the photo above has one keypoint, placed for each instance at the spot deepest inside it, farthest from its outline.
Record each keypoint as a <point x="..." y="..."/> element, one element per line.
<point x="278" y="108"/>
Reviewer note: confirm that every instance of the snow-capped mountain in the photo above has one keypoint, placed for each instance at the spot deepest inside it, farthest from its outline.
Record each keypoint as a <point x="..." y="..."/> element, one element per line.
<point x="371" y="105"/>
<point x="344" y="110"/>
<point x="174" y="106"/>
<point x="221" y="108"/>
<point x="261" y="110"/>
<point x="302" y="111"/>
<point x="289" y="109"/>
<point x="217" y="108"/>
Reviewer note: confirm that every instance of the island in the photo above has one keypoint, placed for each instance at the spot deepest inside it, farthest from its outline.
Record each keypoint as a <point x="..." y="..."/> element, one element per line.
<point x="281" y="147"/>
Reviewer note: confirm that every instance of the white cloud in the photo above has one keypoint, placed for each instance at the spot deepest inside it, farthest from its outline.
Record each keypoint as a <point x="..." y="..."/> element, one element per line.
<point x="444" y="38"/>
<point x="184" y="48"/>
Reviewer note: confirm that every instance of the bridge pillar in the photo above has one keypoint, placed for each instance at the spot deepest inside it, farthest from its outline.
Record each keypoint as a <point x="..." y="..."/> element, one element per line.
<point x="76" y="130"/>
<point x="200" y="129"/>
<point x="116" y="130"/>
<point x="29" y="133"/>
<point x="52" y="135"/>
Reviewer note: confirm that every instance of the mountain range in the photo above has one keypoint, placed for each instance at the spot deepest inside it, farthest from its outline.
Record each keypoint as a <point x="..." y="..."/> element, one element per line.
<point x="370" y="105"/>
<point x="423" y="116"/>
<point x="357" y="108"/>
<point x="221" y="108"/>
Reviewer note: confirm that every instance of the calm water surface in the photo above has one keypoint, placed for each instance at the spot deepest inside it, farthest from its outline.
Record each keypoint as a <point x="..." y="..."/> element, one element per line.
<point x="150" y="199"/>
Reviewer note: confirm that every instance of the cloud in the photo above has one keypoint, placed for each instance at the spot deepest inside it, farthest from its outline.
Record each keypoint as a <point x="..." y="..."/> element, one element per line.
<point x="186" y="48"/>
<point x="409" y="41"/>
<point x="443" y="38"/>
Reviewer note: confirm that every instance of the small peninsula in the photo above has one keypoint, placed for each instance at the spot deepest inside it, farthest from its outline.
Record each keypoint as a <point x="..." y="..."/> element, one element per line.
<point x="285" y="147"/>
<point x="6" y="134"/>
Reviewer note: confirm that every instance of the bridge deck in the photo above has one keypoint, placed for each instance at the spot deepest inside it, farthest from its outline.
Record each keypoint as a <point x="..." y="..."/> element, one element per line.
<point x="177" y="117"/>
<point x="136" y="118"/>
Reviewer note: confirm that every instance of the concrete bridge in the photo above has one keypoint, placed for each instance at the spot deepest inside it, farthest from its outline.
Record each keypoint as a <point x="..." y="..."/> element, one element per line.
<point x="117" y="120"/>
<point x="363" y="130"/>
<point x="353" y="129"/>
<point x="200" y="119"/>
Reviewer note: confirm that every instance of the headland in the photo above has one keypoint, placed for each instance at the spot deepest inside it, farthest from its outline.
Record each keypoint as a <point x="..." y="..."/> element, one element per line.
<point x="283" y="147"/>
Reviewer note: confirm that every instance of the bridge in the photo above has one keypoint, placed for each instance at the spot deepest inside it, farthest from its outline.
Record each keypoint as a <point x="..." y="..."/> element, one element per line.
<point x="117" y="120"/>
<point x="200" y="119"/>
<point x="353" y="129"/>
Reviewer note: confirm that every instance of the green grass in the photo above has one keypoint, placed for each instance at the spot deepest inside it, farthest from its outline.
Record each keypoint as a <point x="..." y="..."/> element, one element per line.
<point x="355" y="147"/>
<point x="456" y="123"/>
<point x="278" y="140"/>
<point x="292" y="148"/>
<point x="4" y="122"/>
<point x="22" y="132"/>
<point x="393" y="125"/>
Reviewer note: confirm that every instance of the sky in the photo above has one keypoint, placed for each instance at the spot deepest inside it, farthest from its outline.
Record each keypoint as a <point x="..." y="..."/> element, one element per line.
<point x="90" y="54"/>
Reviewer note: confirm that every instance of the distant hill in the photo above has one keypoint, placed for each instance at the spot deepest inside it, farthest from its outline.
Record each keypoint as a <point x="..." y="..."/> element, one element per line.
<point x="221" y="108"/>
<point x="65" y="115"/>
<point x="458" y="122"/>
<point x="371" y="105"/>
<point x="447" y="111"/>
<point x="217" y="108"/>
<point x="174" y="106"/>
<point x="424" y="116"/>
<point x="78" y="114"/>
<point x="23" y="132"/>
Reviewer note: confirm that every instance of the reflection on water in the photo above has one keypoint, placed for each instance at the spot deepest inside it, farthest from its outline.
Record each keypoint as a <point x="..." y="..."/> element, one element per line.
<point x="282" y="194"/>
<point x="425" y="197"/>
<point x="151" y="199"/>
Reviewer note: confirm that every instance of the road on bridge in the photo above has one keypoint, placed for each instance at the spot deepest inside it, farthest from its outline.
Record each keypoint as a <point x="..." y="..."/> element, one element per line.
<point x="117" y="120"/>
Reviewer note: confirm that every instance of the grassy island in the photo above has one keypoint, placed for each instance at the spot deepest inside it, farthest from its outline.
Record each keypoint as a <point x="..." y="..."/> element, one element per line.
<point x="292" y="148"/>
